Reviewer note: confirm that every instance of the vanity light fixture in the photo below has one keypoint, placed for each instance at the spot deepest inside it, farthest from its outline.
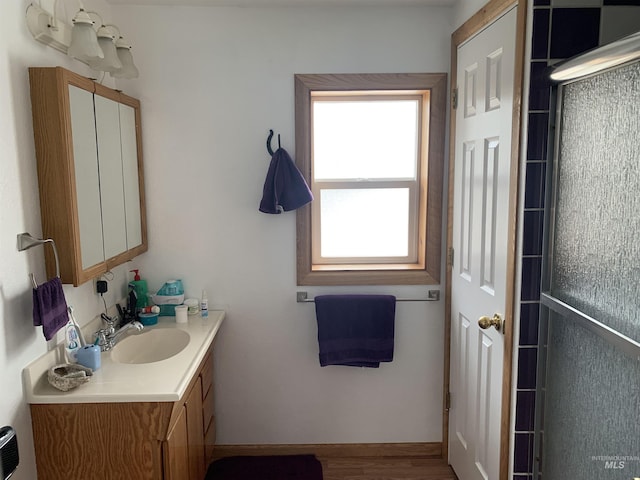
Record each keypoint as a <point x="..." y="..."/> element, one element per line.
<point x="103" y="48"/>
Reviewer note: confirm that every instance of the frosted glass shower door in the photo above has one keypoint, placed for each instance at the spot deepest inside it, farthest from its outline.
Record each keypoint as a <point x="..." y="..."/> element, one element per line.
<point x="591" y="396"/>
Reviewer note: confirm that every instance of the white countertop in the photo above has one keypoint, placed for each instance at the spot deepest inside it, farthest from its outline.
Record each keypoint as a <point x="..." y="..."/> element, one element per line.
<point x="163" y="381"/>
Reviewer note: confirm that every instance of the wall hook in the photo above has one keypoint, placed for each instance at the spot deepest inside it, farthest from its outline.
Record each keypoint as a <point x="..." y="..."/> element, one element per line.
<point x="269" y="149"/>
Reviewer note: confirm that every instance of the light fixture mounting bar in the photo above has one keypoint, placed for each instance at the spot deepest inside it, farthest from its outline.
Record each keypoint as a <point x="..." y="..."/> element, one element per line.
<point x="39" y="23"/>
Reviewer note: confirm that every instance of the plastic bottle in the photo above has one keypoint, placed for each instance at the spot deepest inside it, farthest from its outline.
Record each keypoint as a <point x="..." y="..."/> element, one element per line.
<point x="72" y="341"/>
<point x="204" y="305"/>
<point x="140" y="287"/>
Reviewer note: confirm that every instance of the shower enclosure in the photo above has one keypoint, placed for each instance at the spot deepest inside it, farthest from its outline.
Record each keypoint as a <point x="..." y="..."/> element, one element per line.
<point x="588" y="407"/>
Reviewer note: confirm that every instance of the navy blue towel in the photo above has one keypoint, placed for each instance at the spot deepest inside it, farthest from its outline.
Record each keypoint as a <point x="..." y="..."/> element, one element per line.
<point x="50" y="307"/>
<point x="355" y="330"/>
<point x="284" y="188"/>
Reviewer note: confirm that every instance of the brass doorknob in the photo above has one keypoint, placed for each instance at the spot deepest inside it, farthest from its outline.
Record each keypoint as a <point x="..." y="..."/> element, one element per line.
<point x="495" y="321"/>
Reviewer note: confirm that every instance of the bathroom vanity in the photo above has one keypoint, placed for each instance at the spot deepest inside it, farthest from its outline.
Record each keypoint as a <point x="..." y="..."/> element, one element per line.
<point x="139" y="421"/>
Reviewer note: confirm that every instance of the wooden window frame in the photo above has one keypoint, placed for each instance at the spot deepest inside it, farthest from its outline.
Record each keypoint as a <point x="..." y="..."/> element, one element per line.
<point x="425" y="272"/>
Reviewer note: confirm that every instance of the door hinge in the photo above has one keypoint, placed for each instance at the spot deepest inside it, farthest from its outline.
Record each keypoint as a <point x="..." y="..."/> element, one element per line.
<point x="454" y="98"/>
<point x="447" y="402"/>
<point x="450" y="257"/>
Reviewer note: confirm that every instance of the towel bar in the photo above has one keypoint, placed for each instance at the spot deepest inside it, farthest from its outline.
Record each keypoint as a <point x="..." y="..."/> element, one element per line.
<point x="432" y="296"/>
<point x="26" y="241"/>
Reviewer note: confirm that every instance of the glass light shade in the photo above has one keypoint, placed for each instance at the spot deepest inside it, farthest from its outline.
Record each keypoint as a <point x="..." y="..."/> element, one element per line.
<point x="128" y="70"/>
<point x="110" y="62"/>
<point x="84" y="43"/>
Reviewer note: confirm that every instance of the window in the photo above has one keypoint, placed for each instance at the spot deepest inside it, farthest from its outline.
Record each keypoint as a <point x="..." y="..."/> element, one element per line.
<point x="371" y="148"/>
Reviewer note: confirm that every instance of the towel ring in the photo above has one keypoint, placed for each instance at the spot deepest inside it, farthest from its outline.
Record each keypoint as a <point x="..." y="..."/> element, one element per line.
<point x="26" y="241"/>
<point x="269" y="149"/>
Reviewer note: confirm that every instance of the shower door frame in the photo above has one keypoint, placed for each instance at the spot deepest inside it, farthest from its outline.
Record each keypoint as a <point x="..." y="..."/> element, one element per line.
<point x="547" y="300"/>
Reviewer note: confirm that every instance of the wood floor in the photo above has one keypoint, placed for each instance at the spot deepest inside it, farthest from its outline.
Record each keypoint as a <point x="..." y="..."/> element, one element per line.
<point x="385" y="468"/>
<point x="395" y="461"/>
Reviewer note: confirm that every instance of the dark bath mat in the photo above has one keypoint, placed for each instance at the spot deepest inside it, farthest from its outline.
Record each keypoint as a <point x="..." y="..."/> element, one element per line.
<point x="278" y="467"/>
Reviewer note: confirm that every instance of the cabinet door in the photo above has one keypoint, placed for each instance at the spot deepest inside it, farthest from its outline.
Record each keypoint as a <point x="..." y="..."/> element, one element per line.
<point x="131" y="179"/>
<point x="87" y="183"/>
<point x="107" y="114"/>
<point x="176" y="450"/>
<point x="195" y="432"/>
<point x="208" y="408"/>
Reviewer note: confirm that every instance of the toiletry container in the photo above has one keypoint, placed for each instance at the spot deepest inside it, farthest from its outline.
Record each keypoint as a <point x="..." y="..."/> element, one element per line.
<point x="72" y="341"/>
<point x="89" y="356"/>
<point x="181" y="313"/>
<point x="148" y="319"/>
<point x="140" y="287"/>
<point x="170" y="295"/>
<point x="204" y="305"/>
<point x="193" y="305"/>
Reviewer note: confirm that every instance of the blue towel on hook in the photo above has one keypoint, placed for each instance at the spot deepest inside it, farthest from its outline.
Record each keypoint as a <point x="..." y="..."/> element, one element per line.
<point x="355" y="330"/>
<point x="50" y="307"/>
<point x="284" y="188"/>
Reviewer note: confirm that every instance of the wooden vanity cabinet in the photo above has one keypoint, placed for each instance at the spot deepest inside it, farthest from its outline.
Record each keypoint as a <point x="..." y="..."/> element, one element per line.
<point x="136" y="441"/>
<point x="196" y="421"/>
<point x="88" y="144"/>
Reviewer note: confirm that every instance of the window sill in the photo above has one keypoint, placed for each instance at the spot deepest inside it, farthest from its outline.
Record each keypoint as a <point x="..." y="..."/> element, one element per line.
<point x="367" y="277"/>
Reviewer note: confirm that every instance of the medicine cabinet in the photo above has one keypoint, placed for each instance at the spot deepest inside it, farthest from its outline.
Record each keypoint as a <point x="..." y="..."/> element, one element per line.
<point x="90" y="173"/>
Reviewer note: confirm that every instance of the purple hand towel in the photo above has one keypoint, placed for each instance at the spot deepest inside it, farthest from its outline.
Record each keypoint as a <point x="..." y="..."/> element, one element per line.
<point x="284" y="188"/>
<point x="50" y="307"/>
<point x="355" y="330"/>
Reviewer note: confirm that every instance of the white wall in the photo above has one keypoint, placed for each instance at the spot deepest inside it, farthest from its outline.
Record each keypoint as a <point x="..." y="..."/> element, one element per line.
<point x="20" y="342"/>
<point x="213" y="81"/>
<point x="465" y="9"/>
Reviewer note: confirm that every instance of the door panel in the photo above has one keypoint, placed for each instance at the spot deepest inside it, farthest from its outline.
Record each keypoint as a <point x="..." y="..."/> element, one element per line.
<point x="480" y="238"/>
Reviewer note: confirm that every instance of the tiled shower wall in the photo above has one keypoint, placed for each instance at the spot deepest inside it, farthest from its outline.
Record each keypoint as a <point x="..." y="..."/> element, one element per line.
<point x="561" y="29"/>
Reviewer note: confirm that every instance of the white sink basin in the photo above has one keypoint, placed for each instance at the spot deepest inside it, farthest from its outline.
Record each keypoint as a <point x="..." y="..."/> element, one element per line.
<point x="150" y="346"/>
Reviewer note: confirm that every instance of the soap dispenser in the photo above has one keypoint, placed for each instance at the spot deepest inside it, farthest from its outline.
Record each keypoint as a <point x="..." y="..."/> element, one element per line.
<point x="140" y="287"/>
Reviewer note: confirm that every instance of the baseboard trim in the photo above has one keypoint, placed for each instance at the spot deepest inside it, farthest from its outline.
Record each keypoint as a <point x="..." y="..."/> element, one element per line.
<point x="423" y="450"/>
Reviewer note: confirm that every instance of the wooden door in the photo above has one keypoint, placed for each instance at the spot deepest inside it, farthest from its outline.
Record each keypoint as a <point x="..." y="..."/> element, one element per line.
<point x="481" y="242"/>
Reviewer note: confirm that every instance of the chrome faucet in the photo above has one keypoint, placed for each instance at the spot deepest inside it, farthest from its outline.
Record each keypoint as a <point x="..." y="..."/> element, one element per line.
<point x="107" y="338"/>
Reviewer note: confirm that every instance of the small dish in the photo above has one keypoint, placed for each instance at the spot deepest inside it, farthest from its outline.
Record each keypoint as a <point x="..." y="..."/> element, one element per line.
<point x="68" y="376"/>
<point x="147" y="319"/>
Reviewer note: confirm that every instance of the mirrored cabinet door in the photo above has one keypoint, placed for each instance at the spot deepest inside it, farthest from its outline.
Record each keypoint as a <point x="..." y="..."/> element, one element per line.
<point x="131" y="178"/>
<point x="87" y="182"/>
<point x="107" y="114"/>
